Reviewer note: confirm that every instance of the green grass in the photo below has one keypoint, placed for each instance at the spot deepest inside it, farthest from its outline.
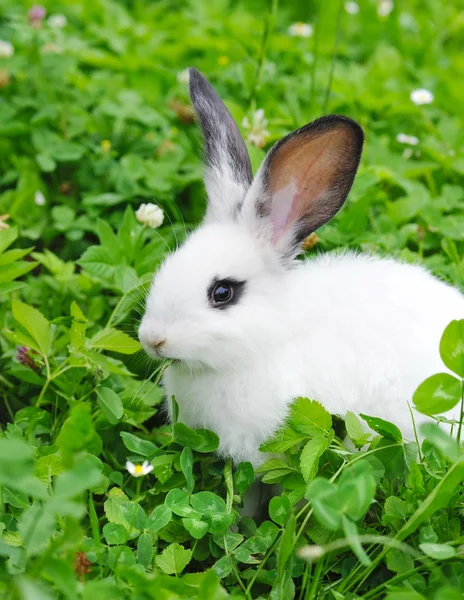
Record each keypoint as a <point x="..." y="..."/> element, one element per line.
<point x="95" y="117"/>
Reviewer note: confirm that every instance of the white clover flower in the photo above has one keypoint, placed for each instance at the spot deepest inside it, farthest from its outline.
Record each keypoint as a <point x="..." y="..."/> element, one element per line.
<point x="404" y="138"/>
<point x="183" y="77"/>
<point x="57" y="21"/>
<point x="299" y="29"/>
<point x="258" y="133"/>
<point x="139" y="470"/>
<point x="421" y="96"/>
<point x="39" y="198"/>
<point x="150" y="214"/>
<point x="352" y="8"/>
<point x="311" y="552"/>
<point x="384" y="8"/>
<point x="6" y="49"/>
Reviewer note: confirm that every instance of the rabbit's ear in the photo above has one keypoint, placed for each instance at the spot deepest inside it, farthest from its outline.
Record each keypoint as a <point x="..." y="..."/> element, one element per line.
<point x="304" y="181"/>
<point x="228" y="169"/>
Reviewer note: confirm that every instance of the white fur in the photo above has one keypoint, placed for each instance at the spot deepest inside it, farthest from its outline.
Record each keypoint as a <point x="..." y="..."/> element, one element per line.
<point x="353" y="331"/>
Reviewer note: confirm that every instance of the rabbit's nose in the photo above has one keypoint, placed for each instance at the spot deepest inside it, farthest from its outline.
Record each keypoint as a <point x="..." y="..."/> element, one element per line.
<point x="156" y="343"/>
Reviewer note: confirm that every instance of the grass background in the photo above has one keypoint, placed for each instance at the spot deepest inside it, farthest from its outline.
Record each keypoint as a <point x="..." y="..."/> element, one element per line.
<point x="95" y="116"/>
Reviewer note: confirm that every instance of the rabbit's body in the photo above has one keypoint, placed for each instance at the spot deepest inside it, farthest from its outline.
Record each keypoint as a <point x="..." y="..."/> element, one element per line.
<point x="251" y="328"/>
<point x="357" y="333"/>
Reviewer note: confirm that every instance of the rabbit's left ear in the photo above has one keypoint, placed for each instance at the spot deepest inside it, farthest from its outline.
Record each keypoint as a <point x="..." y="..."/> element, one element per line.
<point x="228" y="169"/>
<point x="303" y="182"/>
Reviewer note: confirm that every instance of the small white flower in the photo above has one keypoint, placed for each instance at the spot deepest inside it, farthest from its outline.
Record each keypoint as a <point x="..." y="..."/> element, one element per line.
<point x="421" y="96"/>
<point x="384" y="8"/>
<point x="404" y="138"/>
<point x="57" y="21"/>
<point x="351" y="8"/>
<point x="150" y="214"/>
<point x="139" y="470"/>
<point x="39" y="198"/>
<point x="311" y="552"/>
<point x="258" y="132"/>
<point x="299" y="29"/>
<point x="6" y="49"/>
<point x="407" y="153"/>
<point x="183" y="77"/>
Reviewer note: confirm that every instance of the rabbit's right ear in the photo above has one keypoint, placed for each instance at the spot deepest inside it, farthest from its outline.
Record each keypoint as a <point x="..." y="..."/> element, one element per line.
<point x="303" y="182"/>
<point x="228" y="169"/>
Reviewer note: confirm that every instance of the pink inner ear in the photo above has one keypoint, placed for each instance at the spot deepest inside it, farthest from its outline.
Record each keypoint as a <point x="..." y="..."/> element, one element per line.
<point x="302" y="173"/>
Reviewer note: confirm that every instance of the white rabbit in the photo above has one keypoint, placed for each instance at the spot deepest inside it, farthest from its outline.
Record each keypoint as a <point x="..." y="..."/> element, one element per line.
<point x="251" y="327"/>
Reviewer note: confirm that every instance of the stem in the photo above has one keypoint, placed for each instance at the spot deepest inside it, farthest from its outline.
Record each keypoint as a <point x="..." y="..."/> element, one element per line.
<point x="415" y="432"/>
<point x="334" y="55"/>
<point x="304" y="581"/>
<point x="392" y="581"/>
<point x="462" y="413"/>
<point x="268" y="25"/>
<point x="311" y="593"/>
<point x="42" y="393"/>
<point x="315" y="55"/>
<point x="115" y="310"/>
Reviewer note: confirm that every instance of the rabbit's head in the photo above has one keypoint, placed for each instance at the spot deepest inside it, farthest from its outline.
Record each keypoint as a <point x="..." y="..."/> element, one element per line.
<point x="221" y="297"/>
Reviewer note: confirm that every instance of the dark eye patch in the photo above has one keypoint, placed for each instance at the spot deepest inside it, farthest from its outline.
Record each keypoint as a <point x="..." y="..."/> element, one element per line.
<point x="223" y="293"/>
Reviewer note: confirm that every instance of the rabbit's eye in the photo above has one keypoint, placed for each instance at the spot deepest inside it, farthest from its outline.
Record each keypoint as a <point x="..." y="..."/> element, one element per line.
<point x="224" y="292"/>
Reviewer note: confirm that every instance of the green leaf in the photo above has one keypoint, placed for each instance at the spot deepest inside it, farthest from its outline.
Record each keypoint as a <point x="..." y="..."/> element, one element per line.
<point x="200" y="440"/>
<point x="145" y="550"/>
<point x="283" y="440"/>
<point x="438" y="551"/>
<point x="17" y="468"/>
<point x="355" y="430"/>
<point x="438" y="498"/>
<point x="196" y="527"/>
<point x="110" y="403"/>
<point x="159" y="518"/>
<point x="357" y="489"/>
<point x="395" y="511"/>
<point x="324" y="497"/>
<point x="117" y="341"/>
<point x="113" y="507"/>
<point x="309" y="417"/>
<point x="35" y="324"/>
<point x="398" y="561"/>
<point x="383" y="427"/>
<point x="115" y="534"/>
<point x="173" y="559"/>
<point x="134" y="515"/>
<point x="186" y="465"/>
<point x="441" y="440"/>
<point x="310" y="455"/>
<point x="179" y="502"/>
<point x="208" y="504"/>
<point x="83" y="476"/>
<point x="437" y="394"/>
<point x="452" y="347"/>
<point x="352" y="536"/>
<point x="244" y="476"/>
<point x="279" y="509"/>
<point x="7" y="237"/>
<point x="274" y="470"/>
<point x="223" y="566"/>
<point x="36" y="525"/>
<point x="77" y="431"/>
<point x="287" y="545"/>
<point x="405" y="595"/>
<point x="136" y="444"/>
